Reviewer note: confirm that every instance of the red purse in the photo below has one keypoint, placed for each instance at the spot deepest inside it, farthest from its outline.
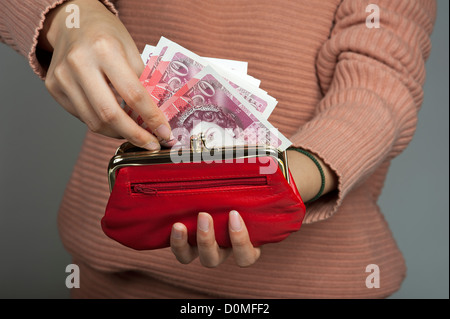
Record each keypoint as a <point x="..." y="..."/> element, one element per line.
<point x="150" y="191"/>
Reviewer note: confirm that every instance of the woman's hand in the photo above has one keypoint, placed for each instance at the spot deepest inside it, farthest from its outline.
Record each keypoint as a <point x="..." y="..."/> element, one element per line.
<point x="86" y="61"/>
<point x="308" y="181"/>
<point x="207" y="249"/>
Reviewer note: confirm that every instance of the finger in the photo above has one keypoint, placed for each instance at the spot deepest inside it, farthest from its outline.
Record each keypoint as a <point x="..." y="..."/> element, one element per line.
<point x="54" y="88"/>
<point x="87" y="114"/>
<point x="136" y="96"/>
<point x="210" y="254"/>
<point x="180" y="246"/>
<point x="136" y="63"/>
<point x="244" y="252"/>
<point x="109" y="111"/>
<point x="64" y="101"/>
<point x="74" y="100"/>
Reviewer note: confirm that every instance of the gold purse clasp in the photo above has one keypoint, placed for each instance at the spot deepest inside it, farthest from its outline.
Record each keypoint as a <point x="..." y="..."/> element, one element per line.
<point x="129" y="155"/>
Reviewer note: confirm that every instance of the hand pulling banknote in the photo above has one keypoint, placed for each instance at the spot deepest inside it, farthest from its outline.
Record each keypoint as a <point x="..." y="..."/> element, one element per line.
<point x="207" y="95"/>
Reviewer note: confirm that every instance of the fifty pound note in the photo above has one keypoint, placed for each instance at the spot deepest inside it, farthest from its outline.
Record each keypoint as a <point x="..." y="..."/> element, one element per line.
<point x="208" y="104"/>
<point x="178" y="65"/>
<point x="169" y="66"/>
<point x="238" y="67"/>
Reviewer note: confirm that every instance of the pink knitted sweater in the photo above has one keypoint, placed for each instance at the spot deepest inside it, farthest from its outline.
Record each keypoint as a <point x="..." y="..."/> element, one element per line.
<point x="349" y="93"/>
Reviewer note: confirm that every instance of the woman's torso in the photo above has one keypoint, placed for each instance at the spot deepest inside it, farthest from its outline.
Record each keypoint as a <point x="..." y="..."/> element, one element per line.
<point x="280" y="41"/>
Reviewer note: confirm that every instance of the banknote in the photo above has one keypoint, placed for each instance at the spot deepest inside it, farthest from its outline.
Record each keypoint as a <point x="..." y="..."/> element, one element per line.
<point x="258" y="98"/>
<point x="210" y="105"/>
<point x="150" y="76"/>
<point x="178" y="65"/>
<point x="239" y="106"/>
<point x="239" y="67"/>
<point x="152" y="65"/>
<point x="151" y="56"/>
<point x="147" y="53"/>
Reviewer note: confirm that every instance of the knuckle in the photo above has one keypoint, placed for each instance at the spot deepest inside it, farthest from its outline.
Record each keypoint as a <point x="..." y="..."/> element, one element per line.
<point x="205" y="243"/>
<point x="59" y="73"/>
<point x="177" y="245"/>
<point x="184" y="261"/>
<point x="74" y="57"/>
<point x="239" y="241"/>
<point x="94" y="125"/>
<point x="102" y="42"/>
<point x="208" y="263"/>
<point x="135" y="95"/>
<point x="138" y="138"/>
<point x="245" y="263"/>
<point x="50" y="83"/>
<point x="247" y="259"/>
<point x="175" y="248"/>
<point x="107" y="114"/>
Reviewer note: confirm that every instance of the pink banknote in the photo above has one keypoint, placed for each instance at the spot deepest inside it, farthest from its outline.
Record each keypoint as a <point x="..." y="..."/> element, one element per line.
<point x="152" y="65"/>
<point x="177" y="72"/>
<point x="148" y="77"/>
<point x="208" y="104"/>
<point x="178" y="65"/>
<point x="197" y="95"/>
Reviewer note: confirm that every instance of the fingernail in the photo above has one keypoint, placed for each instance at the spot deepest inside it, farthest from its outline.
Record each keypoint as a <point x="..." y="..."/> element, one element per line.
<point x="235" y="221"/>
<point x="152" y="146"/>
<point x="177" y="232"/>
<point x="203" y="222"/>
<point x="170" y="143"/>
<point x="164" y="132"/>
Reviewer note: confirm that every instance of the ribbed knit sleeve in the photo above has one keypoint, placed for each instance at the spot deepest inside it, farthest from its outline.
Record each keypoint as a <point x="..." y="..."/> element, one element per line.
<point x="20" y="24"/>
<point x="372" y="82"/>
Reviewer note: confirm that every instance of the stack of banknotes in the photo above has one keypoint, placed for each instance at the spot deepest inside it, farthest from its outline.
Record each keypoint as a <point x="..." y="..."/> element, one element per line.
<point x="211" y="96"/>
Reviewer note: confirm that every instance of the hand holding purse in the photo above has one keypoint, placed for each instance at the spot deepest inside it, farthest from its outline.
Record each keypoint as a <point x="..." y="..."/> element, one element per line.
<point x="150" y="191"/>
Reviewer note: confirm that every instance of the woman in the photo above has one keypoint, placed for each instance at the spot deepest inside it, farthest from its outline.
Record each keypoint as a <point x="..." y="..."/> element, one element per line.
<point x="348" y="93"/>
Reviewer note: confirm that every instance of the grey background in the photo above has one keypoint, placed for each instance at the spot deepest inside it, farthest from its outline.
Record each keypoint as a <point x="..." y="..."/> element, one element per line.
<point x="39" y="143"/>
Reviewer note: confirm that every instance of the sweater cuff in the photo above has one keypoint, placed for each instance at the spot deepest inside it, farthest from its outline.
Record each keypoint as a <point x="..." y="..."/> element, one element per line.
<point x="313" y="139"/>
<point x="39" y="59"/>
<point x="336" y="145"/>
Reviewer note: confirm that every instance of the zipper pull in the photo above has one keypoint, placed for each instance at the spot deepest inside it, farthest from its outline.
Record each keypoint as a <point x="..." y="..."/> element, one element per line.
<point x="143" y="189"/>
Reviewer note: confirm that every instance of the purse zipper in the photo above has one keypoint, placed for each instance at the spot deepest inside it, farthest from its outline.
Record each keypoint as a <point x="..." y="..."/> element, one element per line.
<point x="152" y="188"/>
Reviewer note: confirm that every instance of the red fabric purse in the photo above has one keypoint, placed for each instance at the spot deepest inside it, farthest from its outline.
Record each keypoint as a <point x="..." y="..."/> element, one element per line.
<point x="149" y="193"/>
